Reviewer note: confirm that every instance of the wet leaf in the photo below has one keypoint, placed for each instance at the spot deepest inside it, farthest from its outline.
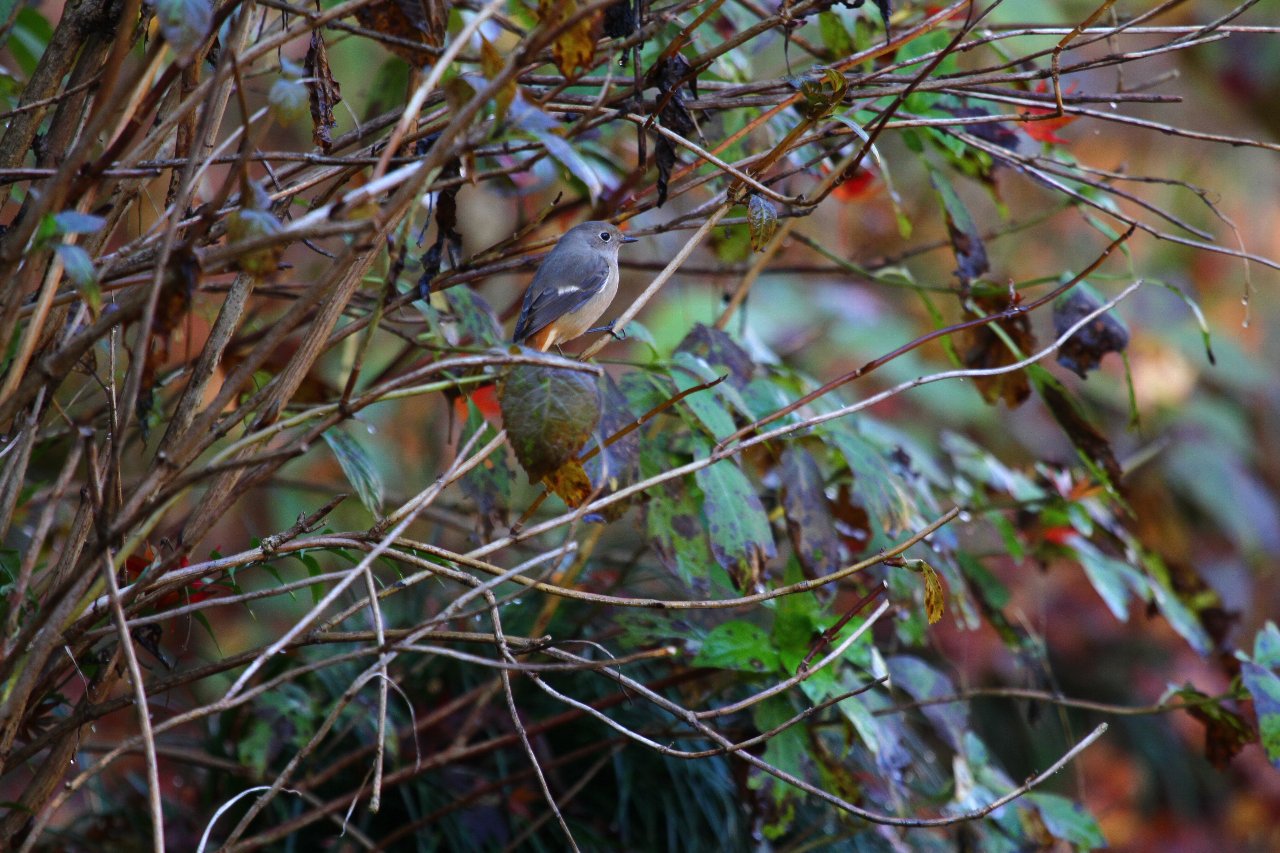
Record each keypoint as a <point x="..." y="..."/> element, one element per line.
<point x="325" y="93"/>
<point x="970" y="251"/>
<point x="762" y="219"/>
<point x="809" y="522"/>
<point x="549" y="413"/>
<point x="741" y="539"/>
<point x="75" y="222"/>
<point x="570" y="483"/>
<point x="689" y="371"/>
<point x="1264" y="687"/>
<point x="79" y="268"/>
<point x="575" y="47"/>
<point x="921" y="681"/>
<point x="474" y="319"/>
<point x="1084" y="350"/>
<point x="359" y="468"/>
<point x="835" y="38"/>
<point x="575" y="163"/>
<point x="251" y="221"/>
<point x="668" y="75"/>
<point x="881" y="490"/>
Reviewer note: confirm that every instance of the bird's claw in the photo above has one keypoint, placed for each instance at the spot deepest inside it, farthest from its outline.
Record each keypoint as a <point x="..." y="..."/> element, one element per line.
<point x="616" y="334"/>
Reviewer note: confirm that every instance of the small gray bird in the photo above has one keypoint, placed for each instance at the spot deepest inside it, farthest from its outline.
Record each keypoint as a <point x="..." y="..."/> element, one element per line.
<point x="574" y="285"/>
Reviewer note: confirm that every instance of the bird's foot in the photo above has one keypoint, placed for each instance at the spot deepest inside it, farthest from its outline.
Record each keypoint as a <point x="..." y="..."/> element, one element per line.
<point x="608" y="327"/>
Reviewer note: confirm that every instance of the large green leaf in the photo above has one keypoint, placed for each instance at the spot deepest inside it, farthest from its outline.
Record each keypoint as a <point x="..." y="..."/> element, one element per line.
<point x="549" y="413"/>
<point x="736" y="521"/>
<point x="738" y="645"/>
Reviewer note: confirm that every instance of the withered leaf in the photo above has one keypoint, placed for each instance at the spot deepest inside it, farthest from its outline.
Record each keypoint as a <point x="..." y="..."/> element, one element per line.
<point x="970" y="251"/>
<point x="620" y="20"/>
<point x="1225" y="732"/>
<point x="669" y="75"/>
<point x="492" y="63"/>
<point x="325" y="92"/>
<point x="570" y="482"/>
<point x="574" y="48"/>
<point x="1084" y="350"/>
<point x="983" y="348"/>
<point x="762" y="220"/>
<point x="1092" y="444"/>
<point x="665" y="157"/>
<point x="414" y="30"/>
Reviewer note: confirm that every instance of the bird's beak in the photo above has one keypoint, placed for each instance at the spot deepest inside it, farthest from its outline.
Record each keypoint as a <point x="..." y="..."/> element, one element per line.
<point x="627" y="239"/>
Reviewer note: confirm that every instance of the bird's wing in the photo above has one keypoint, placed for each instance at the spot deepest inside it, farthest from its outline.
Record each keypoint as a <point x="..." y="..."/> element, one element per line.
<point x="553" y="294"/>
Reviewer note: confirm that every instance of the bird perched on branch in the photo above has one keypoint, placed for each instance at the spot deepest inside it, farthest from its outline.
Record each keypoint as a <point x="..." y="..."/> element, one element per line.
<point x="571" y="289"/>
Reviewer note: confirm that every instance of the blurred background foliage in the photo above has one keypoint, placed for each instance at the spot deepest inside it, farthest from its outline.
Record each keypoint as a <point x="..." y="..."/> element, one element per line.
<point x="1060" y="596"/>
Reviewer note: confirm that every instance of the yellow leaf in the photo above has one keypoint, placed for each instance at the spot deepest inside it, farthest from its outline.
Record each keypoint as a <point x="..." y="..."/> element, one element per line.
<point x="574" y="48"/>
<point x="933" y="594"/>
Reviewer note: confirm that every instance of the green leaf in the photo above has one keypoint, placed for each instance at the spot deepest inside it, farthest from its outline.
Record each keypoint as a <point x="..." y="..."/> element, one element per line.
<point x="79" y="267"/>
<point x="1266" y="646"/>
<point x="966" y="240"/>
<point x="809" y="521"/>
<point x="549" y="413"/>
<point x="736" y="521"/>
<point x="184" y="24"/>
<point x="1112" y="578"/>
<point x="677" y="532"/>
<point x="477" y="325"/>
<point x="882" y="490"/>
<point x="738" y="645"/>
<point x="689" y="371"/>
<point x="75" y="222"/>
<point x="1264" y="687"/>
<point x="921" y="682"/>
<point x="1068" y="820"/>
<point x="31" y="35"/>
<point x="358" y="467"/>
<point x="762" y="220"/>
<point x="835" y="37"/>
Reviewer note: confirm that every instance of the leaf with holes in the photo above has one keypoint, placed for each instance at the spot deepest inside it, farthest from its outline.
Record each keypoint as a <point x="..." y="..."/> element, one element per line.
<point x="741" y="539"/>
<point x="762" y="219"/>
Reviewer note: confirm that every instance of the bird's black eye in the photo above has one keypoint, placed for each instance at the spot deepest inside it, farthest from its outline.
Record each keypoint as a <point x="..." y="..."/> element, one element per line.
<point x="604" y="236"/>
